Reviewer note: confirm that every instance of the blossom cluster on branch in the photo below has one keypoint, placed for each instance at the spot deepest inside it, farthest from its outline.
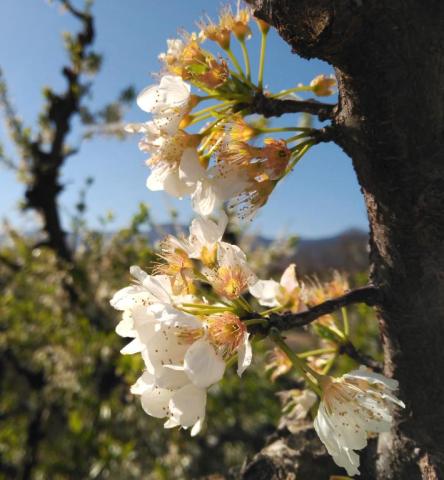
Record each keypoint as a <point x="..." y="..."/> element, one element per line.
<point x="199" y="310"/>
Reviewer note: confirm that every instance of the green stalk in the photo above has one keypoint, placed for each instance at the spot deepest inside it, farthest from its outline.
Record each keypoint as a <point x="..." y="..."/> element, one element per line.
<point x="330" y="363"/>
<point x="345" y="321"/>
<point x="245" y="304"/>
<point x="201" y="117"/>
<point x="213" y="107"/>
<point x="246" y="58"/>
<point x="208" y="129"/>
<point x="298" y="364"/>
<point x="235" y="61"/>
<point x="314" y="353"/>
<point x="300" y="154"/>
<point x="271" y="310"/>
<point x="300" y="88"/>
<point x="297" y="137"/>
<point x="260" y="77"/>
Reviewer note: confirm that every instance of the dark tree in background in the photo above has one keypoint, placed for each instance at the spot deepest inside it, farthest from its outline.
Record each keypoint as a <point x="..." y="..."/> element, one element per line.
<point x="388" y="56"/>
<point x="44" y="150"/>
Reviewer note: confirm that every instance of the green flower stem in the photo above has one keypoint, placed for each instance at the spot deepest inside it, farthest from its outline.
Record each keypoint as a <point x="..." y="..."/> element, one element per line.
<point x="345" y="321"/>
<point x="300" y="154"/>
<point x="245" y="304"/>
<point x="202" y="312"/>
<point x="246" y="58"/>
<point x="230" y="362"/>
<point x="330" y="364"/>
<point x="213" y="108"/>
<point x="201" y="306"/>
<point x="260" y="77"/>
<point x="207" y="130"/>
<point x="314" y="353"/>
<point x="300" y="88"/>
<point x="297" y="137"/>
<point x="201" y="117"/>
<point x="271" y="310"/>
<point x="235" y="61"/>
<point x="242" y="305"/>
<point x="298" y="363"/>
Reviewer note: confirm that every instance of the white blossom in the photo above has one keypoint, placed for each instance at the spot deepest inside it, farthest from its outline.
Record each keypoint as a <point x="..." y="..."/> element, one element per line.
<point x="353" y="406"/>
<point x="288" y="292"/>
<point x="168" y="102"/>
<point x="299" y="403"/>
<point x="175" y="47"/>
<point x="184" y="406"/>
<point x="205" y="237"/>
<point x="232" y="276"/>
<point x="217" y="186"/>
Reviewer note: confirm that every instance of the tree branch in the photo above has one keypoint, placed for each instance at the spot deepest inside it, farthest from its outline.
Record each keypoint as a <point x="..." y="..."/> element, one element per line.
<point x="370" y="295"/>
<point x="275" y="107"/>
<point x="351" y="351"/>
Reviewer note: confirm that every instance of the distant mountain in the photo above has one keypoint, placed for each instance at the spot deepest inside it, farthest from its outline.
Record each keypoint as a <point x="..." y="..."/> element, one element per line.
<point x="346" y="251"/>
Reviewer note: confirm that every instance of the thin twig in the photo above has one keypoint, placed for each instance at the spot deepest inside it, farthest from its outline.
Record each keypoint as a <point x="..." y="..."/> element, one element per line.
<point x="275" y="107"/>
<point x="370" y="295"/>
<point x="351" y="351"/>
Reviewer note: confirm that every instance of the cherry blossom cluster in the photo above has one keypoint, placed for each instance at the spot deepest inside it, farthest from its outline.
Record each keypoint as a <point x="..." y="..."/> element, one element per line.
<point x="215" y="164"/>
<point x="195" y="313"/>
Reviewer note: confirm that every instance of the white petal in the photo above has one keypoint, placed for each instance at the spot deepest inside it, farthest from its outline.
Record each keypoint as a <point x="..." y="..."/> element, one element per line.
<point x="203" y="365"/>
<point x="288" y="279"/>
<point x="171" y="423"/>
<point x="123" y="298"/>
<point x="244" y="355"/>
<point x="190" y="169"/>
<point x="137" y="322"/>
<point x="172" y="317"/>
<point x="204" y="231"/>
<point x="155" y="402"/>
<point x="197" y="427"/>
<point x="165" y="348"/>
<point x="170" y="378"/>
<point x="138" y="273"/>
<point x="125" y="327"/>
<point x="148" y="98"/>
<point x="135" y="346"/>
<point x="349" y="460"/>
<point x="365" y="374"/>
<point x="144" y="382"/>
<point x="172" y="91"/>
<point x="187" y="405"/>
<point x="343" y="456"/>
<point x="169" y="121"/>
<point x="204" y="198"/>
<point x="175" y="186"/>
<point x="265" y="291"/>
<point x="158" y="177"/>
<point x="159" y="286"/>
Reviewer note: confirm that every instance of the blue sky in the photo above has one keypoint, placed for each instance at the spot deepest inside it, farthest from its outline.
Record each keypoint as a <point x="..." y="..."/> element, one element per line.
<point x="320" y="198"/>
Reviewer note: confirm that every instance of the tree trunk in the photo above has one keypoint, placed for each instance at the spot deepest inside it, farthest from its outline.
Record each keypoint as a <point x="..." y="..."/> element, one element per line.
<point x="389" y="60"/>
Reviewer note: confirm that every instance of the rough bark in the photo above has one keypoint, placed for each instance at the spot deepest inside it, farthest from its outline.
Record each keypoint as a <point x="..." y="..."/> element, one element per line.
<point x="389" y="60"/>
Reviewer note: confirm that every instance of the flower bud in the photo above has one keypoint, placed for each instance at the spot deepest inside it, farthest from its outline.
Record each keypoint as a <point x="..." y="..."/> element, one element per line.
<point x="264" y="27"/>
<point x="322" y="86"/>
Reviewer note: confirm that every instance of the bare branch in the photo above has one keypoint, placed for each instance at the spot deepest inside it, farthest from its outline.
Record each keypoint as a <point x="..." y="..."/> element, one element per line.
<point x="370" y="295"/>
<point x="351" y="351"/>
<point x="275" y="107"/>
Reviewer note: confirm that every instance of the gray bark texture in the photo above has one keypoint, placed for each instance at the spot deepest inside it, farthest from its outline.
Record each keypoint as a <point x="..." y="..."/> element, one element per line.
<point x="389" y="60"/>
